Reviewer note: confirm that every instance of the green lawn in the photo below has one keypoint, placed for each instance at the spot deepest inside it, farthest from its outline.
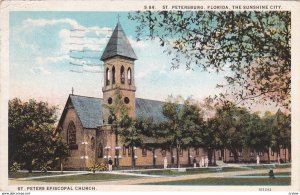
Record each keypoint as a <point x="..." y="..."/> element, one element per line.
<point x="26" y="174"/>
<point x="87" y="178"/>
<point x="228" y="181"/>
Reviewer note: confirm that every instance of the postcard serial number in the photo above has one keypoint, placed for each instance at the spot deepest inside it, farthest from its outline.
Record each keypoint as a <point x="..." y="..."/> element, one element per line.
<point x="264" y="189"/>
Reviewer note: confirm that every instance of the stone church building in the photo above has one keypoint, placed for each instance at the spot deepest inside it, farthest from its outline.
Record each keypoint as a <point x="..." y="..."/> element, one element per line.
<point x="85" y="124"/>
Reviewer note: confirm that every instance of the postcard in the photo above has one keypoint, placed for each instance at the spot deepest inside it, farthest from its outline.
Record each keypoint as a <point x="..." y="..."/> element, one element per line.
<point x="149" y="95"/>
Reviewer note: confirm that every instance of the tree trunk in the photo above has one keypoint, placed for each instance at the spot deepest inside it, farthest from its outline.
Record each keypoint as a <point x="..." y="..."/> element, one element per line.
<point x="116" y="150"/>
<point x="189" y="158"/>
<point x="209" y="156"/>
<point x="269" y="155"/>
<point x="132" y="157"/>
<point x="214" y="158"/>
<point x="29" y="167"/>
<point x="278" y="154"/>
<point x="285" y="155"/>
<point x="235" y="156"/>
<point x="154" y="159"/>
<point x="172" y="158"/>
<point x="289" y="154"/>
<point x="61" y="167"/>
<point x="177" y="159"/>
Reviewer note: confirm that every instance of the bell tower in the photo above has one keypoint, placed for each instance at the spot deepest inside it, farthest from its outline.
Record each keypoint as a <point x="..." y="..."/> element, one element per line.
<point x="118" y="58"/>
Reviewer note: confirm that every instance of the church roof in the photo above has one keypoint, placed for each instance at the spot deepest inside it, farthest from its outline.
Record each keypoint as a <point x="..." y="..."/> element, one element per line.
<point x="118" y="45"/>
<point x="89" y="110"/>
<point x="149" y="109"/>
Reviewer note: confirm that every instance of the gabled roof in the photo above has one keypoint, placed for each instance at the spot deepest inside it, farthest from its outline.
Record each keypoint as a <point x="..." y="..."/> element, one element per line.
<point x="89" y="110"/>
<point x="118" y="45"/>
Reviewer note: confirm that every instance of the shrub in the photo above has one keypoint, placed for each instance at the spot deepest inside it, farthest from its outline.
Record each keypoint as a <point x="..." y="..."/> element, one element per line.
<point x="15" y="167"/>
<point x="98" y="167"/>
<point x="45" y="168"/>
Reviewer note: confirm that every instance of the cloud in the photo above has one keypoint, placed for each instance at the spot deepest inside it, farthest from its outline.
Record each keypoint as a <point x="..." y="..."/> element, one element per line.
<point x="154" y="60"/>
<point x="138" y="44"/>
<point x="85" y="42"/>
<point x="29" y="23"/>
<point x="98" y="31"/>
<point x="39" y="70"/>
<point x="51" y="59"/>
<point x="68" y="34"/>
<point x="64" y="36"/>
<point x="92" y="68"/>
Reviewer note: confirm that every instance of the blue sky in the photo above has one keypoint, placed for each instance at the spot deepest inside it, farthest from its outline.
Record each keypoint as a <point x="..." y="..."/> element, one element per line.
<point x="40" y="44"/>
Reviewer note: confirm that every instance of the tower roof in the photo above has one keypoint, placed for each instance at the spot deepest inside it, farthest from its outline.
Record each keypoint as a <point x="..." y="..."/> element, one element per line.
<point x="118" y="45"/>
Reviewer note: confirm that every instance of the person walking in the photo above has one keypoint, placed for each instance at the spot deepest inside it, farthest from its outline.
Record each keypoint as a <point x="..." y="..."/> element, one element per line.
<point x="195" y="162"/>
<point x="110" y="162"/>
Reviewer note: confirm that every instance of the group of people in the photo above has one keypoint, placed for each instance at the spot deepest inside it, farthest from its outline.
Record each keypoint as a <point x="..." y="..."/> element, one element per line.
<point x="203" y="162"/>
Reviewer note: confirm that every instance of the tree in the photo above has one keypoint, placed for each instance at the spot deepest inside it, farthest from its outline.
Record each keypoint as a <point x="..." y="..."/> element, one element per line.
<point x="210" y="139"/>
<point x="258" y="134"/>
<point x="32" y="141"/>
<point x="254" y="46"/>
<point x="60" y="151"/>
<point x="118" y="112"/>
<point x="208" y="134"/>
<point x="132" y="134"/>
<point x="281" y="132"/>
<point x="152" y="137"/>
<point x="231" y="122"/>
<point x="182" y="123"/>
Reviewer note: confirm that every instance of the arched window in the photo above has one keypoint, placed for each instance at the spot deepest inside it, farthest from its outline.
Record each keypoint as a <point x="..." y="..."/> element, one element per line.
<point x="92" y="143"/>
<point x="113" y="75"/>
<point x="122" y="75"/>
<point x="71" y="133"/>
<point x="107" y="76"/>
<point x="100" y="151"/>
<point x="129" y="76"/>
